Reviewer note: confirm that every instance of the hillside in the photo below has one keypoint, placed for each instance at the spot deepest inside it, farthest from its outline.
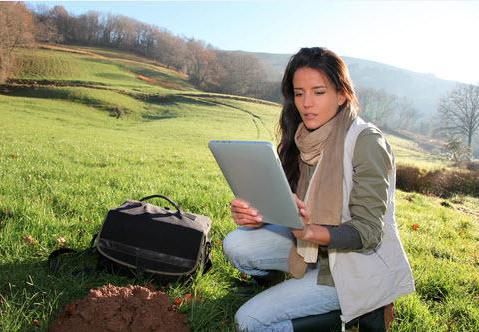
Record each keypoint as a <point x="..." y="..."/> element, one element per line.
<point x="424" y="90"/>
<point x="84" y="129"/>
<point x="118" y="82"/>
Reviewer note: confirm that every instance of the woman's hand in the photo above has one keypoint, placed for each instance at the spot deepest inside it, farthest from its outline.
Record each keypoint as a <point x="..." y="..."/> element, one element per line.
<point x="302" y="209"/>
<point x="310" y="232"/>
<point x="244" y="214"/>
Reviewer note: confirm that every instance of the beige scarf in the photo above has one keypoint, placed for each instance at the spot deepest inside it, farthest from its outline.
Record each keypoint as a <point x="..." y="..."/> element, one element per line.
<point x="324" y="198"/>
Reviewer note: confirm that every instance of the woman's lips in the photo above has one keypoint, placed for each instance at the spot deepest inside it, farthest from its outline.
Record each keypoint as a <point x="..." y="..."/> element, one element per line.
<point x="309" y="116"/>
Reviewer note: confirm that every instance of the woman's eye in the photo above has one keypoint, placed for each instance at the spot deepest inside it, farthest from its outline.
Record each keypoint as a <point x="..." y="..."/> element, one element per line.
<point x="319" y="92"/>
<point x="298" y="94"/>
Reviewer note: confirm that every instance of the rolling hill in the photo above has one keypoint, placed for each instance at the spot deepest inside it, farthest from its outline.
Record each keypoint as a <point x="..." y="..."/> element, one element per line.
<point x="424" y="90"/>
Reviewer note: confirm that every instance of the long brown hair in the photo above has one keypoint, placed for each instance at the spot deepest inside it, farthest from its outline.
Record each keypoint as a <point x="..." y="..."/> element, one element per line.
<point x="337" y="72"/>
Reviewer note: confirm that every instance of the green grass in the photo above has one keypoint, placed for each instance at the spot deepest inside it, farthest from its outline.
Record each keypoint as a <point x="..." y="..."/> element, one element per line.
<point x="64" y="67"/>
<point x="410" y="153"/>
<point x="63" y="165"/>
<point x="64" y="161"/>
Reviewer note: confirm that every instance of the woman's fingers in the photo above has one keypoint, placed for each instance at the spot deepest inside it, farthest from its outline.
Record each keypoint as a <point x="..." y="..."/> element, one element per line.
<point x="244" y="214"/>
<point x="248" y="211"/>
<point x="301" y="207"/>
<point x="237" y="202"/>
<point x="299" y="202"/>
<point x="248" y="222"/>
<point x="257" y="225"/>
<point x="247" y="217"/>
<point x="304" y="213"/>
<point x="241" y="207"/>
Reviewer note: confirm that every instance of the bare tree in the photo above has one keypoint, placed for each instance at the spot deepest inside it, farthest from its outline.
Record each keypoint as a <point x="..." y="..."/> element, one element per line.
<point x="46" y="30"/>
<point x="456" y="149"/>
<point x="406" y="115"/>
<point x="201" y="65"/>
<point x="63" y="23"/>
<point x="240" y="73"/>
<point x="89" y="28"/>
<point x="169" y="49"/>
<point x="459" y="111"/>
<point x="377" y="106"/>
<point x="16" y="25"/>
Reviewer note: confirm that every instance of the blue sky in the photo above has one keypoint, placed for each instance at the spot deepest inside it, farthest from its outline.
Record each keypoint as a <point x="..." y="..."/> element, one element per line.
<point x="438" y="37"/>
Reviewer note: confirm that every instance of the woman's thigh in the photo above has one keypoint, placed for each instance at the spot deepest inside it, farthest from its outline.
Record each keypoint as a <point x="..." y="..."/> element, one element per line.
<point x="255" y="250"/>
<point x="274" y="308"/>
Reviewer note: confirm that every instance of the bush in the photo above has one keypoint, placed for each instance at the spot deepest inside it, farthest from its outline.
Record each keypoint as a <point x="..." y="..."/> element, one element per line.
<point x="442" y="183"/>
<point x="468" y="164"/>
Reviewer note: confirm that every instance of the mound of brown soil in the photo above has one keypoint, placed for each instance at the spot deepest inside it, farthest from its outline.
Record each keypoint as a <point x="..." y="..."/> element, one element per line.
<point x="111" y="308"/>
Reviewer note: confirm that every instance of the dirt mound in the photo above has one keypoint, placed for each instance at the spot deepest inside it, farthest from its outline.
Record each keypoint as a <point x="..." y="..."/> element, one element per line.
<point x="111" y="308"/>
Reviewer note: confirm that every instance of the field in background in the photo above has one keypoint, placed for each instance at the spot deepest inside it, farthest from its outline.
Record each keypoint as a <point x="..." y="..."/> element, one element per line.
<point x="65" y="159"/>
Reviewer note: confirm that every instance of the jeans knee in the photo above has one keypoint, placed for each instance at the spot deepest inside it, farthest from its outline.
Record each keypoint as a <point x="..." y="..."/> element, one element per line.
<point x="245" y="322"/>
<point x="232" y="246"/>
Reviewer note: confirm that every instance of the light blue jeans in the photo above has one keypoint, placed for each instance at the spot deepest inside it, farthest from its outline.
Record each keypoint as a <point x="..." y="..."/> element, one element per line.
<point x="254" y="251"/>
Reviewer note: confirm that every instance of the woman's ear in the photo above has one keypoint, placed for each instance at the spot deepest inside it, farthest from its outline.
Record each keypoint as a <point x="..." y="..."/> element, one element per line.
<point x="341" y="98"/>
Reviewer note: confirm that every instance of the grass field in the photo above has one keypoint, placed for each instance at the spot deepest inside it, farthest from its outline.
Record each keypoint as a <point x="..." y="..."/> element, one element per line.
<point x="64" y="161"/>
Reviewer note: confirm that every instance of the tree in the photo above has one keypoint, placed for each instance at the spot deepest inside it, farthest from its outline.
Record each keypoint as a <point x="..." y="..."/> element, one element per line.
<point x="456" y="149"/>
<point x="168" y="49"/>
<point x="201" y="63"/>
<point x="45" y="28"/>
<point x="89" y="28"/>
<point x="63" y="22"/>
<point x="240" y="73"/>
<point x="377" y="105"/>
<point x="459" y="111"/>
<point x="406" y="115"/>
<point x="16" y="25"/>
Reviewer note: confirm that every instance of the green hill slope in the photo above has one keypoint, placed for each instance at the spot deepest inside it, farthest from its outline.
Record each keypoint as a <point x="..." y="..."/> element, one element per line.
<point x="64" y="161"/>
<point x="76" y="65"/>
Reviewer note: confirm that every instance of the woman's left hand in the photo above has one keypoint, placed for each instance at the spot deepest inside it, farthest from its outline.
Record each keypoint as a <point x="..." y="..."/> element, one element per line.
<point x="310" y="232"/>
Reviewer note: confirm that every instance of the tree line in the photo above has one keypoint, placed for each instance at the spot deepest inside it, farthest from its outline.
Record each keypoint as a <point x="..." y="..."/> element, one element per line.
<point x="207" y="67"/>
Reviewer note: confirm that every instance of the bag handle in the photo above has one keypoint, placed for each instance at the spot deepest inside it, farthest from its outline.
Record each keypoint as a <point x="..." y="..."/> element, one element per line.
<point x="177" y="213"/>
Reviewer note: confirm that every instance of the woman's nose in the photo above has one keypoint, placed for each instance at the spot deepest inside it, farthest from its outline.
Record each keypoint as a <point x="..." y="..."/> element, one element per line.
<point x="307" y="100"/>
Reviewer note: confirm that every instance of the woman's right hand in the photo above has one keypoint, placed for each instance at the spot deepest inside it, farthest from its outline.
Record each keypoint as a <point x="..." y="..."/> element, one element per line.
<point x="244" y="214"/>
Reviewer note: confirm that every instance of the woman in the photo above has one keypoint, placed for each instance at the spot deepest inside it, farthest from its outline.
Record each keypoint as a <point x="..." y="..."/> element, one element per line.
<point x="348" y="256"/>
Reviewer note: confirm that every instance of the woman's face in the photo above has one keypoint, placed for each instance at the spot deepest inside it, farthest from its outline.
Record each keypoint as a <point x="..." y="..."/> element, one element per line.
<point x="315" y="97"/>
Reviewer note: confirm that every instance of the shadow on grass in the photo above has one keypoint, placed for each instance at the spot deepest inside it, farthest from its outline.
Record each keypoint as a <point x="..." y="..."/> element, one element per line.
<point x="35" y="83"/>
<point x="175" y="100"/>
<point x="32" y="296"/>
<point x="47" y="92"/>
<point x="160" y="78"/>
<point x="160" y="116"/>
<point x="115" y="76"/>
<point x="5" y="215"/>
<point x="215" y="314"/>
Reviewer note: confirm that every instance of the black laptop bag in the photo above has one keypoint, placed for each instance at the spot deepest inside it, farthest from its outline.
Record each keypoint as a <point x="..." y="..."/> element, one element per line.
<point x="147" y="238"/>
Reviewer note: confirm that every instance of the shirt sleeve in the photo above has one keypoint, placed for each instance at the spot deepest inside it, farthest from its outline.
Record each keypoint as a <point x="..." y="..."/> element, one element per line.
<point x="372" y="162"/>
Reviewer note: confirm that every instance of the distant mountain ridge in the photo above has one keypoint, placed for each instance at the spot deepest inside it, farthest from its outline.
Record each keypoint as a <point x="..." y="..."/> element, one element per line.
<point x="424" y="90"/>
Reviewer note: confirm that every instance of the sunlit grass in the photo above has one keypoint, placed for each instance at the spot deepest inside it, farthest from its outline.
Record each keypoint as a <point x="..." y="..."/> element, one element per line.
<point x="64" y="67"/>
<point x="410" y="153"/>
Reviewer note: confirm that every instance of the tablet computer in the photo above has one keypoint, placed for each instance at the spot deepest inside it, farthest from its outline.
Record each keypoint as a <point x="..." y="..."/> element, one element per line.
<point x="255" y="174"/>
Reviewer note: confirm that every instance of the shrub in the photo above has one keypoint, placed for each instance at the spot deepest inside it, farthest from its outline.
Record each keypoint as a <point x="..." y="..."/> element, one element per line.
<point x="468" y="164"/>
<point x="443" y="183"/>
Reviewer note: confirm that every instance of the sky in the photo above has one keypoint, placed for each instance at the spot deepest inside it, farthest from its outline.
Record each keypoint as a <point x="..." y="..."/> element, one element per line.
<point x="436" y="37"/>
